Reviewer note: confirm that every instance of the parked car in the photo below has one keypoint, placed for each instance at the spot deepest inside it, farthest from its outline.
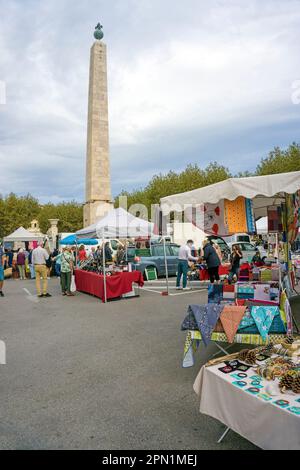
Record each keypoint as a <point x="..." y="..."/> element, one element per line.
<point x="222" y="244"/>
<point x="154" y="258"/>
<point x="248" y="251"/>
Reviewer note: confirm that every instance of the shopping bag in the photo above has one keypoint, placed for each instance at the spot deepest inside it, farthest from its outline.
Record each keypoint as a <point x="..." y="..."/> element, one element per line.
<point x="73" y="284"/>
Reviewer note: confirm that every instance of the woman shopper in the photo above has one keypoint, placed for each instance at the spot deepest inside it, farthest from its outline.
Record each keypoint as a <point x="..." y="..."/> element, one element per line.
<point x="235" y="259"/>
<point x="21" y="263"/>
<point x="66" y="269"/>
<point x="212" y="260"/>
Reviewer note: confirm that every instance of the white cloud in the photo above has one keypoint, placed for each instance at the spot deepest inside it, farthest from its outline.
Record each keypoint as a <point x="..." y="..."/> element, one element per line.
<point x="188" y="82"/>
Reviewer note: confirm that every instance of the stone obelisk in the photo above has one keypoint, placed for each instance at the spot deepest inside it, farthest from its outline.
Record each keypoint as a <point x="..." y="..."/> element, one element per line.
<point x="98" y="188"/>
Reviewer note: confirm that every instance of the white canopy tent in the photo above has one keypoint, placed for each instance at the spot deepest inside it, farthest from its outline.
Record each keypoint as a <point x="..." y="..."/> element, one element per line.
<point x="21" y="235"/>
<point x="118" y="223"/>
<point x="265" y="191"/>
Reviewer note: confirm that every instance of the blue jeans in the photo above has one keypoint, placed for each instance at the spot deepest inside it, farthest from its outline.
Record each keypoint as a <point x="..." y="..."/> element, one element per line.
<point x="182" y="270"/>
<point x="57" y="269"/>
<point x="234" y="271"/>
<point x="32" y="271"/>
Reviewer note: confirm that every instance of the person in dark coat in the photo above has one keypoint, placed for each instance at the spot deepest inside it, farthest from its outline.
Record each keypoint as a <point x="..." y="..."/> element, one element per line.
<point x="212" y="260"/>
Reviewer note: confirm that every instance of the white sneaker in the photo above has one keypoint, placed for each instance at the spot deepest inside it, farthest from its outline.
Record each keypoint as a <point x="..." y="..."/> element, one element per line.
<point x="186" y="288"/>
<point x="178" y="288"/>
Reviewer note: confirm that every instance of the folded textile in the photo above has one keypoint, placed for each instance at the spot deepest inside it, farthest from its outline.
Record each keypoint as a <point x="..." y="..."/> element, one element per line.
<point x="206" y="317"/>
<point x="230" y="318"/>
<point x="263" y="317"/>
<point x="262" y="292"/>
<point x="248" y="325"/>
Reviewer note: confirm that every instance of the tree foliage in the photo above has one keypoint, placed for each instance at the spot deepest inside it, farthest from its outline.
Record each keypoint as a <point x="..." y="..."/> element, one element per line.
<point x="17" y="211"/>
<point x="280" y="161"/>
<point x="172" y="183"/>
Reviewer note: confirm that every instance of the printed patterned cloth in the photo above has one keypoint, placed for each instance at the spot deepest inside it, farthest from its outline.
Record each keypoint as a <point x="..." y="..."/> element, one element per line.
<point x="193" y="340"/>
<point x="274" y="219"/>
<point x="235" y="215"/>
<point x="231" y="317"/>
<point x="250" y="216"/>
<point x="214" y="219"/>
<point x="215" y="293"/>
<point x="206" y="317"/>
<point x="248" y="325"/>
<point x="286" y="308"/>
<point x="263" y="317"/>
<point x="262" y="292"/>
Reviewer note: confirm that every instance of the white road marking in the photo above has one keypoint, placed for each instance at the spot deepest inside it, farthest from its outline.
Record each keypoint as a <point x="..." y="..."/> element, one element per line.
<point x="30" y="297"/>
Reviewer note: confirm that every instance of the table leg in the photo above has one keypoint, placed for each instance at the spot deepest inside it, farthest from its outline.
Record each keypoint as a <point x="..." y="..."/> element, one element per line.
<point x="221" y="350"/>
<point x="223" y="435"/>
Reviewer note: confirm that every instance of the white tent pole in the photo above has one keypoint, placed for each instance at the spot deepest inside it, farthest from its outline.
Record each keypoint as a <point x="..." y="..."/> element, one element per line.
<point x="166" y="265"/>
<point x="104" y="271"/>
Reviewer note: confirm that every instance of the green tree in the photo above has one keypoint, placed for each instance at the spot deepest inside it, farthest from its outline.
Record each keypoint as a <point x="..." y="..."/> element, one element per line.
<point x="172" y="183"/>
<point x="280" y="161"/>
<point x="70" y="215"/>
<point x="16" y="211"/>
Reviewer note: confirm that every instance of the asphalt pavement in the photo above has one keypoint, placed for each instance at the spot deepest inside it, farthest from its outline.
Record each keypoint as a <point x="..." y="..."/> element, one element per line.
<point x="84" y="375"/>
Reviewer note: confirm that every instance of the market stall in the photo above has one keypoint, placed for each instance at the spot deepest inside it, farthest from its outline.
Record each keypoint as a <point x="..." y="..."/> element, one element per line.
<point x="118" y="223"/>
<point x="259" y="401"/>
<point x="233" y="206"/>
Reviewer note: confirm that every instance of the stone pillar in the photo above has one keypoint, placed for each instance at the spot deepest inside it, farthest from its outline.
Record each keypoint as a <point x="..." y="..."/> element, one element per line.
<point x="98" y="188"/>
<point x="53" y="232"/>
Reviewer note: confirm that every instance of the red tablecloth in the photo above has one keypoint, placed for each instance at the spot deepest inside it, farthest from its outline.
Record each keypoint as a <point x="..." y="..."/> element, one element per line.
<point x="116" y="285"/>
<point x="204" y="276"/>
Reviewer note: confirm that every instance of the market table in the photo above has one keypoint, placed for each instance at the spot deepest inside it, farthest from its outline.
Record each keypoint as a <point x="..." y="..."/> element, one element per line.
<point x="204" y="276"/>
<point x="116" y="285"/>
<point x="255" y="417"/>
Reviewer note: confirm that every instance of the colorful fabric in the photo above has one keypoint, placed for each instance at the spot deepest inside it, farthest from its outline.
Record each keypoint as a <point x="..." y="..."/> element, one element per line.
<point x="249" y="326"/>
<point x="250" y="216"/>
<point x="230" y="319"/>
<point x="293" y="215"/>
<point x="206" y="317"/>
<point x="262" y="292"/>
<point x="208" y="217"/>
<point x="235" y="215"/>
<point x="286" y="308"/>
<point x="263" y="317"/>
<point x="274" y="219"/>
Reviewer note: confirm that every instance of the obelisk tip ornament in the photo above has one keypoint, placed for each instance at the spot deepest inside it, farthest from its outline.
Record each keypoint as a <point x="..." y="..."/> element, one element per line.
<point x="98" y="33"/>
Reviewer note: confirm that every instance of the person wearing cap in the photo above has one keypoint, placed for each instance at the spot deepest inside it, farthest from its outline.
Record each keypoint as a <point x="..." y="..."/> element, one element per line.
<point x="39" y="258"/>
<point x="184" y="256"/>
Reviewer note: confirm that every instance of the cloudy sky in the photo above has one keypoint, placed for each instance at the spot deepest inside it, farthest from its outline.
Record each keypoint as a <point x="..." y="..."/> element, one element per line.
<point x="189" y="82"/>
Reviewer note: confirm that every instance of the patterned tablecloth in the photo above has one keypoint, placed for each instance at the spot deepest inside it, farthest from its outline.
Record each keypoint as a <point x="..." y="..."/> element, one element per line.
<point x="241" y="402"/>
<point x="193" y="339"/>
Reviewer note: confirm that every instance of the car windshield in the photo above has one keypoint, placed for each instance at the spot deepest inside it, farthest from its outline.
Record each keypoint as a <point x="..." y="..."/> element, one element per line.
<point x="246" y="247"/>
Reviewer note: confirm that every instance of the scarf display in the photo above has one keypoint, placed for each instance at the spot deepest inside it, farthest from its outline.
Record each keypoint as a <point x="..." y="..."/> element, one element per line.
<point x="230" y="318"/>
<point x="206" y="317"/>
<point x="275" y="219"/>
<point x="263" y="317"/>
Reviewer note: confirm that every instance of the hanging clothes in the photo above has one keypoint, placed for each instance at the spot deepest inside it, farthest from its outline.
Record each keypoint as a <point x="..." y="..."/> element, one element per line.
<point x="235" y="215"/>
